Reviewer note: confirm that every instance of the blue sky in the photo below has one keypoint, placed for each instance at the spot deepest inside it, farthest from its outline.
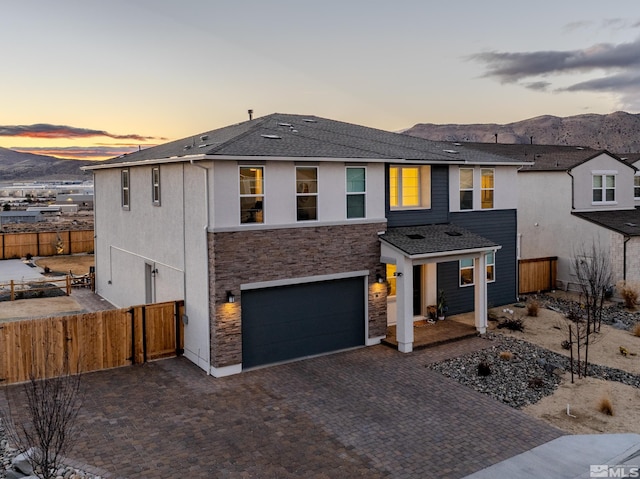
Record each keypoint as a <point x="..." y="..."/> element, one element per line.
<point x="92" y="79"/>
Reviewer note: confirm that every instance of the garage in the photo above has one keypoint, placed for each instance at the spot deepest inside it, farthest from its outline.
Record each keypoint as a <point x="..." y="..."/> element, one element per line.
<point x="287" y="322"/>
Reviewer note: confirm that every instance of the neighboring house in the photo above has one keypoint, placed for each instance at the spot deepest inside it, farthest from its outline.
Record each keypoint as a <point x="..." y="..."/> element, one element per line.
<point x="16" y="217"/>
<point x="571" y="197"/>
<point x="285" y="235"/>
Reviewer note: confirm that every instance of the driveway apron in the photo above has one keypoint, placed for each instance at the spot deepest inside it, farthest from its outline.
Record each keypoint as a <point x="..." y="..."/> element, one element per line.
<point x="371" y="412"/>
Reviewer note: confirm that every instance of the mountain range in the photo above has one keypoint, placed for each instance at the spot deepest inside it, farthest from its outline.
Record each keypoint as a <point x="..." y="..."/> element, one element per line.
<point x="18" y="166"/>
<point x="617" y="132"/>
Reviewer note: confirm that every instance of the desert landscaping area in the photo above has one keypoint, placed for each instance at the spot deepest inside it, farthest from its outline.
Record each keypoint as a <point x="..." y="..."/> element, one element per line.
<point x="573" y="407"/>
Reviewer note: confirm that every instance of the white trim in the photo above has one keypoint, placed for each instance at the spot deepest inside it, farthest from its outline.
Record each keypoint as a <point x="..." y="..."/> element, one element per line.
<point x="302" y="280"/>
<point x="449" y="255"/>
<point x="302" y="224"/>
<point x="226" y="370"/>
<point x="604" y="172"/>
<point x="374" y="341"/>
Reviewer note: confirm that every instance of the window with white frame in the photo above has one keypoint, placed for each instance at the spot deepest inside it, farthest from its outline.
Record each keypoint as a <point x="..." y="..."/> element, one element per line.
<point x="306" y="193"/>
<point x="409" y="187"/>
<point x="466" y="188"/>
<point x="155" y="185"/>
<point x="604" y="188"/>
<point x="486" y="187"/>
<point x="490" y="258"/>
<point x="251" y="194"/>
<point x="124" y="189"/>
<point x="467" y="267"/>
<point x="636" y="187"/>
<point x="356" y="191"/>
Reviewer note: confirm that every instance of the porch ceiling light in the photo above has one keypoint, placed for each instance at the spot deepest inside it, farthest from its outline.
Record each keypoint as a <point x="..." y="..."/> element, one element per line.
<point x="231" y="298"/>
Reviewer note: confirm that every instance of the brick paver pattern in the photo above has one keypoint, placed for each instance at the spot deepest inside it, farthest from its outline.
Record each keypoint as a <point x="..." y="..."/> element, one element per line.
<point x="369" y="413"/>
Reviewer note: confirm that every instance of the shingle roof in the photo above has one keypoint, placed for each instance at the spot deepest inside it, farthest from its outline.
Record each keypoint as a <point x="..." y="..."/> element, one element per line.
<point x="545" y="157"/>
<point x="299" y="136"/>
<point x="626" y="222"/>
<point x="430" y="239"/>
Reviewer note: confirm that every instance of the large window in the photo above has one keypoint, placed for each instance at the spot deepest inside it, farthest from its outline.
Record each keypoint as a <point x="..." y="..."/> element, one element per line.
<point x="155" y="186"/>
<point x="124" y="189"/>
<point x="466" y="188"/>
<point x="409" y="187"/>
<point x="486" y="191"/>
<point x="356" y="192"/>
<point x="307" y="193"/>
<point x="467" y="268"/>
<point x="604" y="188"/>
<point x="636" y="187"/>
<point x="252" y="194"/>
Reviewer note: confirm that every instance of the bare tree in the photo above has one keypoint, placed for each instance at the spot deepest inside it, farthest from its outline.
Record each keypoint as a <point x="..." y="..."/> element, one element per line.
<point x="45" y="427"/>
<point x="592" y="267"/>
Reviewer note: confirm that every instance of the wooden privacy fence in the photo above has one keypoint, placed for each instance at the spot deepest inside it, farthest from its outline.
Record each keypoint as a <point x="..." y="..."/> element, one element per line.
<point x="45" y="243"/>
<point x="538" y="274"/>
<point x="81" y="343"/>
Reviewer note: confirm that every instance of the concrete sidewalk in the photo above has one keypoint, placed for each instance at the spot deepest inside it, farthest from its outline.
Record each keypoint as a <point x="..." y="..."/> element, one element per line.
<point x="573" y="457"/>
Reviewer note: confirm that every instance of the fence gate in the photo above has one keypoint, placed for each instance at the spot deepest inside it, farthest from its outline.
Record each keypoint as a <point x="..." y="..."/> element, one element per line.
<point x="48" y="347"/>
<point x="537" y="274"/>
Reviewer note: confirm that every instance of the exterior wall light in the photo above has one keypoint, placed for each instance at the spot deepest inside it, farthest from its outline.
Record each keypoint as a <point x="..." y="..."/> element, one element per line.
<point x="231" y="298"/>
<point x="379" y="278"/>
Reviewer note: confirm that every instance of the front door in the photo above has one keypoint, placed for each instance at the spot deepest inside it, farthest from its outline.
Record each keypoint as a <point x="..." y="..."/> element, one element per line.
<point x="417" y="290"/>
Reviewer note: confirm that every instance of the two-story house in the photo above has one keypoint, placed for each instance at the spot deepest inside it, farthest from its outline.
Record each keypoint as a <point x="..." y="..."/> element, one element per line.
<point x="285" y="235"/>
<point x="571" y="197"/>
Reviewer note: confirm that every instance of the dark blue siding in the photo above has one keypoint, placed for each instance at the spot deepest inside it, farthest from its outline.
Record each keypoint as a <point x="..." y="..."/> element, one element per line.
<point x="499" y="226"/>
<point x="439" y="211"/>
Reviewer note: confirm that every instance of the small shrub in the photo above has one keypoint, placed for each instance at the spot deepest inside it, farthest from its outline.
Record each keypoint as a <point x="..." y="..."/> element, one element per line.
<point x="47" y="270"/>
<point x="506" y="355"/>
<point x="536" y="382"/>
<point x="636" y="329"/>
<point x="629" y="292"/>
<point x="483" y="368"/>
<point x="532" y="308"/>
<point x="605" y="406"/>
<point x="565" y="344"/>
<point x="29" y="256"/>
<point x="512" y="324"/>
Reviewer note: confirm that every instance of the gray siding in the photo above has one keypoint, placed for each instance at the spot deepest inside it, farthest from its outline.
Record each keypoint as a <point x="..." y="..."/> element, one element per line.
<point x="439" y="211"/>
<point x="499" y="226"/>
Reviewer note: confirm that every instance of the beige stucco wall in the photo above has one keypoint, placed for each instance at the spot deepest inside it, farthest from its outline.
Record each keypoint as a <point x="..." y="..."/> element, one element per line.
<point x="602" y="164"/>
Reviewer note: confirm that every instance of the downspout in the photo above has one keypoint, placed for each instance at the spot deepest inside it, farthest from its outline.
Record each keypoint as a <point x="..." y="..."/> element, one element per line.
<point x="573" y="205"/>
<point x="206" y="240"/>
<point x="624" y="257"/>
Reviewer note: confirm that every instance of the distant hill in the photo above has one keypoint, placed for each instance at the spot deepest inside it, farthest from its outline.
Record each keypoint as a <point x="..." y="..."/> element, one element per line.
<point x="617" y="132"/>
<point x="17" y="166"/>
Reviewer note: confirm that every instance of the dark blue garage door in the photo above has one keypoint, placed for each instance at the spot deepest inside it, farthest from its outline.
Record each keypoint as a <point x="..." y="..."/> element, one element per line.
<point x="289" y="322"/>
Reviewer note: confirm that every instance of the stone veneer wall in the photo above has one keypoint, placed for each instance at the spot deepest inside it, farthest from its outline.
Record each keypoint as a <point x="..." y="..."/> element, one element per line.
<point x="633" y="257"/>
<point x="251" y="256"/>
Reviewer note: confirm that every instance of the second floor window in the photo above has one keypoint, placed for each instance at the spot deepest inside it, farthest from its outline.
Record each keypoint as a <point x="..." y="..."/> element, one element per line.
<point x="636" y="187"/>
<point x="604" y="188"/>
<point x="409" y="187"/>
<point x="356" y="192"/>
<point x="252" y="194"/>
<point x="466" y="188"/>
<point x="155" y="185"/>
<point x="124" y="188"/>
<point x="306" y="193"/>
<point x="486" y="192"/>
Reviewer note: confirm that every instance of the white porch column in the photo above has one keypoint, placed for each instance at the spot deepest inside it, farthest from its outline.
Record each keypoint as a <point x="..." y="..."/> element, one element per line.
<point x="480" y="292"/>
<point x="404" y="305"/>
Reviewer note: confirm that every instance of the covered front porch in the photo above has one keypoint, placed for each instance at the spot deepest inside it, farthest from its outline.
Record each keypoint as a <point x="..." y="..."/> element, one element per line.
<point x="415" y="253"/>
<point x="427" y="334"/>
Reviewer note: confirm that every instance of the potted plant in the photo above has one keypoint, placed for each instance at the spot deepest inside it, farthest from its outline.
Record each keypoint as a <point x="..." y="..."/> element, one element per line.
<point x="442" y="304"/>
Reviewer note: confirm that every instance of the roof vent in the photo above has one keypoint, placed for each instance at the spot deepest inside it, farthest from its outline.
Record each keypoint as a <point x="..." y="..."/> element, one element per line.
<point x="204" y="137"/>
<point x="633" y="225"/>
<point x="579" y="148"/>
<point x="205" y="145"/>
<point x="457" y="144"/>
<point x="285" y="124"/>
<point x="272" y="137"/>
<point x="451" y="151"/>
<point x="309" y="120"/>
<point x="415" y="236"/>
<point x="187" y="147"/>
<point x="453" y="233"/>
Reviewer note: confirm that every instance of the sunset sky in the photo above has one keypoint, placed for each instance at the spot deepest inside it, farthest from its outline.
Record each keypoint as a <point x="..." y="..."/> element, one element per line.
<point x="90" y="79"/>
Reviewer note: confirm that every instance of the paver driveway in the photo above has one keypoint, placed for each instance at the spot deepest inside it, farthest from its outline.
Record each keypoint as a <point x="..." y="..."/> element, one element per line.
<point x="371" y="412"/>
